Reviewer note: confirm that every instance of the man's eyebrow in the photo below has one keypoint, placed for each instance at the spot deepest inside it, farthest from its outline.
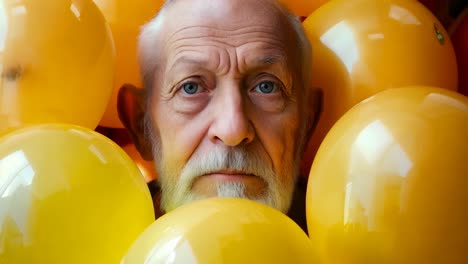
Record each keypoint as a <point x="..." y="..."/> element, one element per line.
<point x="270" y="59"/>
<point x="184" y="60"/>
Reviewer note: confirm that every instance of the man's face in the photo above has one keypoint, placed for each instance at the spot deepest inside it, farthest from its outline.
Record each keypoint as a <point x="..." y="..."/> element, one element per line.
<point x="224" y="112"/>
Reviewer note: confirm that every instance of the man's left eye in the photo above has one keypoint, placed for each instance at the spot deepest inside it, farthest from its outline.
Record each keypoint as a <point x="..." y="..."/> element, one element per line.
<point x="190" y="87"/>
<point x="266" y="87"/>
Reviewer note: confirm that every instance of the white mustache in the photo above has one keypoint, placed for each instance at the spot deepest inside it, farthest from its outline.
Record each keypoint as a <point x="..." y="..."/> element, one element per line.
<point x="238" y="160"/>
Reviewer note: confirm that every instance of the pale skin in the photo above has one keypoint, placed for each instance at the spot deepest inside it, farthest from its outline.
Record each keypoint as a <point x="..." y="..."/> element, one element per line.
<point x="227" y="79"/>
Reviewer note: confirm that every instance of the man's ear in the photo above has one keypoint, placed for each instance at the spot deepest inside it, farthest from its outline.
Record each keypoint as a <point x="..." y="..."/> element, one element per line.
<point x="131" y="106"/>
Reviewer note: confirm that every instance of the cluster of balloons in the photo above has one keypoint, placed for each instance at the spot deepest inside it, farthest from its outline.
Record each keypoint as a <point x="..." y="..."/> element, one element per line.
<point x="68" y="194"/>
<point x="389" y="177"/>
<point x="363" y="47"/>
<point x="50" y="69"/>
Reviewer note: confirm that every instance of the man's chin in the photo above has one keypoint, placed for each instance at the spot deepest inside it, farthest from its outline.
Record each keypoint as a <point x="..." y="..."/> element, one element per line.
<point x="192" y="197"/>
<point x="229" y="185"/>
<point x="271" y="194"/>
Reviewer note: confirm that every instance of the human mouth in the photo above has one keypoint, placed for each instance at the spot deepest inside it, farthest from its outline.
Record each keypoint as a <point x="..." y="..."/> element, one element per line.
<point x="229" y="175"/>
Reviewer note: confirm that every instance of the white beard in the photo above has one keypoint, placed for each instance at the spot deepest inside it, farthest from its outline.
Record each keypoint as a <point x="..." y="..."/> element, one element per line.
<point x="231" y="189"/>
<point x="176" y="187"/>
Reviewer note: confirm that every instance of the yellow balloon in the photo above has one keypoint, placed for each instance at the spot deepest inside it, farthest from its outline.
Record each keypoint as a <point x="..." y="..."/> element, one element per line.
<point x="68" y="195"/>
<point x="390" y="181"/>
<point x="56" y="63"/>
<point x="362" y="47"/>
<point x="125" y="19"/>
<point x="222" y="231"/>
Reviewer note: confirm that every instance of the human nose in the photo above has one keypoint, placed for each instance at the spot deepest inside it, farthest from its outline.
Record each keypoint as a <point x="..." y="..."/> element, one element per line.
<point x="231" y="124"/>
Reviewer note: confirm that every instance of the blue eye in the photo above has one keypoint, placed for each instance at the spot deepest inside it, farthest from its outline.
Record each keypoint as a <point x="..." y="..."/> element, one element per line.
<point x="190" y="87"/>
<point x="266" y="87"/>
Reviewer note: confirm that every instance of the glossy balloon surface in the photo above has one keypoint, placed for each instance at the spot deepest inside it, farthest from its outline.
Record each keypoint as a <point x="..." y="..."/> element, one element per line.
<point x="361" y="47"/>
<point x="222" y="230"/>
<point x="389" y="183"/>
<point x="68" y="195"/>
<point x="57" y="62"/>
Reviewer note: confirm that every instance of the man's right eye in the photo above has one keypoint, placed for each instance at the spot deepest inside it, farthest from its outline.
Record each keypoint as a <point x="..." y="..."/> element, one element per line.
<point x="190" y="88"/>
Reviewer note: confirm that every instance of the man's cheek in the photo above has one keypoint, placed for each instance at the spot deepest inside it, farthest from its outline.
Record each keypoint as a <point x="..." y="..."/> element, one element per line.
<point x="175" y="153"/>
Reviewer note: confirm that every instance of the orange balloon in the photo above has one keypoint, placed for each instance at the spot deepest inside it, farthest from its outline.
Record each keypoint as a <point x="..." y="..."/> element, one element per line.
<point x="361" y="47"/>
<point x="389" y="183"/>
<point x="125" y="19"/>
<point x="146" y="167"/>
<point x="303" y="7"/>
<point x="56" y="63"/>
<point x="460" y="43"/>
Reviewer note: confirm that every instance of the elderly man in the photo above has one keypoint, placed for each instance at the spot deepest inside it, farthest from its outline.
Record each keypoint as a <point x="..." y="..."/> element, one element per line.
<point x="226" y="108"/>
